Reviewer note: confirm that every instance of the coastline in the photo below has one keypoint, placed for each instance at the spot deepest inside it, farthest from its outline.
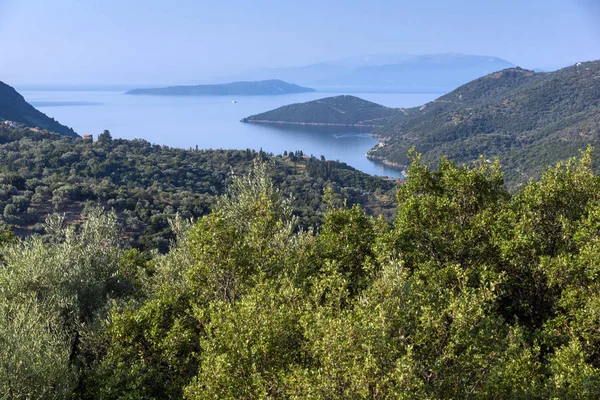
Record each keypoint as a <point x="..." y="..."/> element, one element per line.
<point x="388" y="163"/>
<point x="369" y="155"/>
<point x="264" y="121"/>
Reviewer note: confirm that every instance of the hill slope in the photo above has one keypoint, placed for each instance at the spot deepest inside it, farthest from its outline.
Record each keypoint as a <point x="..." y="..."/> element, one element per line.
<point x="258" y="88"/>
<point x="527" y="119"/>
<point x="338" y="110"/>
<point x="13" y="107"/>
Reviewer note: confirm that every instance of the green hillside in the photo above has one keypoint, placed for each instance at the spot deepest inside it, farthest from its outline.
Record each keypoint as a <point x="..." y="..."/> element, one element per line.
<point x="258" y="88"/>
<point x="338" y="110"/>
<point x="147" y="184"/>
<point x="527" y="119"/>
<point x="13" y="107"/>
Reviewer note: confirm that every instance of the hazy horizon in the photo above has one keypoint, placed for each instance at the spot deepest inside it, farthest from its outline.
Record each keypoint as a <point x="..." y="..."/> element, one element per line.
<point x="150" y="42"/>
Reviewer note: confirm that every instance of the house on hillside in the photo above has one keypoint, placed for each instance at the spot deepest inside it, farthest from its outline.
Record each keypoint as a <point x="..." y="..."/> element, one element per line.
<point x="88" y="137"/>
<point x="10" y="124"/>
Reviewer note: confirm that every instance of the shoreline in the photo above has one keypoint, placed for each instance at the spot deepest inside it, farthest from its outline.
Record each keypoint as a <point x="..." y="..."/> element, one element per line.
<point x="399" y="167"/>
<point x="263" y="121"/>
<point x="369" y="155"/>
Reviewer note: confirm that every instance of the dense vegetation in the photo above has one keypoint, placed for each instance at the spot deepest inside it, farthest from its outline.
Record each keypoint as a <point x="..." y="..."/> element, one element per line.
<point x="42" y="173"/>
<point x="259" y="88"/>
<point x="338" y="110"/>
<point x="14" y="108"/>
<point x="471" y="293"/>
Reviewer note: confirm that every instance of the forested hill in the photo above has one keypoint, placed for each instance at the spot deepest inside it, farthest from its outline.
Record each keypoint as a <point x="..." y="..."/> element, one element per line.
<point x="13" y="107"/>
<point x="338" y="110"/>
<point x="148" y="184"/>
<point x="258" y="88"/>
<point x="529" y="120"/>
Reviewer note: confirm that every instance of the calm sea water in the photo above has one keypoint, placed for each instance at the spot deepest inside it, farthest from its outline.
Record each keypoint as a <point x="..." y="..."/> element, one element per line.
<point x="213" y="122"/>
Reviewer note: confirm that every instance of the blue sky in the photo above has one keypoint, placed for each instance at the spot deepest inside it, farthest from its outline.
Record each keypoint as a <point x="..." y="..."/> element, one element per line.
<point x="151" y="41"/>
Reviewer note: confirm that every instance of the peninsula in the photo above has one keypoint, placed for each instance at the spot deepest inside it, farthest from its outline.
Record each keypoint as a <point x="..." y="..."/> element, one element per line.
<point x="335" y="111"/>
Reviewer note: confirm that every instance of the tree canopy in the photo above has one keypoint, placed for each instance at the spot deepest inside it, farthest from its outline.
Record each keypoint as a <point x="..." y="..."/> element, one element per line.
<point x="472" y="292"/>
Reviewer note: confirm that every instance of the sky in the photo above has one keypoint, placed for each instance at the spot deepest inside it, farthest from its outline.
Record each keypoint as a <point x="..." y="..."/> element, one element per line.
<point x="182" y="41"/>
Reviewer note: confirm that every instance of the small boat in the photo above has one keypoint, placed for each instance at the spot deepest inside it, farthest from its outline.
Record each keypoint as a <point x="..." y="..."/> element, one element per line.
<point x="234" y="102"/>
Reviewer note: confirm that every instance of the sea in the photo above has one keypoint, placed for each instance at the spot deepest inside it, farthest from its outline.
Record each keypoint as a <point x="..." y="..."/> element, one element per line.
<point x="214" y="122"/>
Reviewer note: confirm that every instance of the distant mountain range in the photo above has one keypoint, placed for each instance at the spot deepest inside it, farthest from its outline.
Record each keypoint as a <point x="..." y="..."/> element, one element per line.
<point x="527" y="119"/>
<point x="439" y="72"/>
<point x="258" y="88"/>
<point x="371" y="60"/>
<point x="393" y="72"/>
<point x="14" y="108"/>
<point x="338" y="110"/>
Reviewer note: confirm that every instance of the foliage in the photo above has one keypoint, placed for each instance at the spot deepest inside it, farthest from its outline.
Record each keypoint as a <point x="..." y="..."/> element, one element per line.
<point x="148" y="184"/>
<point x="472" y="292"/>
<point x="52" y="294"/>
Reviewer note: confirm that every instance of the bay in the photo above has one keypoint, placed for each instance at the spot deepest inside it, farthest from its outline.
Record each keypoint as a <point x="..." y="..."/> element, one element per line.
<point x="214" y="122"/>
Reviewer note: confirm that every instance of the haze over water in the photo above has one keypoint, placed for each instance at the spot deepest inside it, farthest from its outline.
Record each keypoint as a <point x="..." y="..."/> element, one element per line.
<point x="214" y="122"/>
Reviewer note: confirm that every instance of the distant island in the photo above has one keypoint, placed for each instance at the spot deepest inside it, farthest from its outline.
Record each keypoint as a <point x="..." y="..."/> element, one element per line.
<point x="257" y="88"/>
<point x="337" y="110"/>
<point x="15" y="110"/>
